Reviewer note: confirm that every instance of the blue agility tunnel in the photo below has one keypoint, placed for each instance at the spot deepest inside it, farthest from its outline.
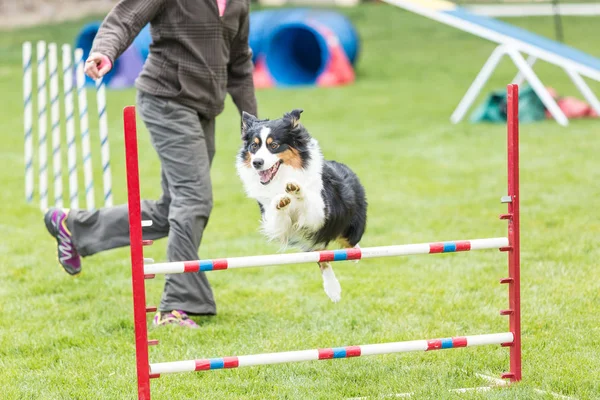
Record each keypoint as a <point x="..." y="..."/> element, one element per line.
<point x="290" y="44"/>
<point x="294" y="46"/>
<point x="128" y="66"/>
<point x="261" y="24"/>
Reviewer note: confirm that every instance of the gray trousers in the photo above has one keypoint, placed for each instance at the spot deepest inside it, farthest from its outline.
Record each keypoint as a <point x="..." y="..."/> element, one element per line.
<point x="185" y="144"/>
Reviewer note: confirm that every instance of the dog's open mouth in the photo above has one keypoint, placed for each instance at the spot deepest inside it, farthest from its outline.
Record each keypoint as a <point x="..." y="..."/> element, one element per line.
<point x="267" y="175"/>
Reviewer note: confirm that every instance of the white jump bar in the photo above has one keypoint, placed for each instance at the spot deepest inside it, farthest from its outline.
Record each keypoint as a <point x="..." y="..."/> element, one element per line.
<point x="322" y="256"/>
<point x="329" y="353"/>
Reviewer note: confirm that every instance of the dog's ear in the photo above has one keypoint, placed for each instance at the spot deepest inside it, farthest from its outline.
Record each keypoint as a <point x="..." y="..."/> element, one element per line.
<point x="293" y="117"/>
<point x="247" y="121"/>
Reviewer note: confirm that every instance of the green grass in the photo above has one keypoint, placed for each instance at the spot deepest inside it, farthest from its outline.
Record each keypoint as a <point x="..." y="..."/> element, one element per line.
<point x="426" y="180"/>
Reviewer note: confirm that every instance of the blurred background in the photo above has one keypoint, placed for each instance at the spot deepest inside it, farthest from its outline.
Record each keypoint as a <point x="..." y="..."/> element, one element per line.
<point x="29" y="12"/>
<point x="379" y="99"/>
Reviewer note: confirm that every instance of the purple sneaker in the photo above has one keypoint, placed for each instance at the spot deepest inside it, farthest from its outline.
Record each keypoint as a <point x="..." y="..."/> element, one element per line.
<point x="174" y="317"/>
<point x="55" y="220"/>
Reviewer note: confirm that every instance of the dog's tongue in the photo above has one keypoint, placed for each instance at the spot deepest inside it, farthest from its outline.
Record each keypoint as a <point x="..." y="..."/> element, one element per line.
<point x="265" y="175"/>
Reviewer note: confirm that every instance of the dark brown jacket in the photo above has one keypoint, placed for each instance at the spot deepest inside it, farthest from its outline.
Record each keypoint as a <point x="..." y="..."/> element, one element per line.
<point x="196" y="56"/>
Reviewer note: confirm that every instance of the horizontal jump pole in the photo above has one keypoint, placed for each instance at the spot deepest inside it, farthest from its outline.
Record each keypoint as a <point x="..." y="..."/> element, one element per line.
<point x="323" y="256"/>
<point x="206" y="364"/>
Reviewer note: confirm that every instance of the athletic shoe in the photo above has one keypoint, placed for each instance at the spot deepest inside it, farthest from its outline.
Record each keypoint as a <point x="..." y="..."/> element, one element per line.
<point x="56" y="223"/>
<point x="174" y="317"/>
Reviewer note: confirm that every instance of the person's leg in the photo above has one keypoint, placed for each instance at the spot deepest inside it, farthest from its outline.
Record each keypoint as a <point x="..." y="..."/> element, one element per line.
<point x="84" y="232"/>
<point x="208" y="126"/>
<point x="108" y="228"/>
<point x="182" y="146"/>
<point x="191" y="292"/>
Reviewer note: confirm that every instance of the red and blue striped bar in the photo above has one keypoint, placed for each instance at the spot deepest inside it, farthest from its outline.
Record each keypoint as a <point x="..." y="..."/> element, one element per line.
<point x="205" y="265"/>
<point x="222" y="263"/>
<point x="324" y="256"/>
<point x="216" y="363"/>
<point x="447" y="343"/>
<point x="449" y="247"/>
<point x="339" y="352"/>
<point x="340" y="255"/>
<point x="330" y="353"/>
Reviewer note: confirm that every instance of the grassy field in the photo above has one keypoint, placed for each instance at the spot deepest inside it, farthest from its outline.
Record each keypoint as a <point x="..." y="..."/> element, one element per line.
<point x="426" y="180"/>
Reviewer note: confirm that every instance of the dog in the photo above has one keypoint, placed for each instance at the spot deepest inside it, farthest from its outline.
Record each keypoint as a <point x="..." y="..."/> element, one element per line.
<point x="305" y="201"/>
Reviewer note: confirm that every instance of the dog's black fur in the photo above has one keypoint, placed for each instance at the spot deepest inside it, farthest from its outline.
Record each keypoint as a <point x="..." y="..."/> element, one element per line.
<point x="342" y="193"/>
<point x="345" y="206"/>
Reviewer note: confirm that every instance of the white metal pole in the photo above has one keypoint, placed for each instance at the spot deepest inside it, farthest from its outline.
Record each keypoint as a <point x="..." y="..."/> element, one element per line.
<point x="104" y="146"/>
<point x="67" y="67"/>
<point x="584" y="89"/>
<point x="318" y="256"/>
<point x="478" y="83"/>
<point x="329" y="353"/>
<point x="519" y="78"/>
<point x="28" y="119"/>
<point x="84" y="131"/>
<point x="538" y="87"/>
<point x="42" y="124"/>
<point x="55" y="123"/>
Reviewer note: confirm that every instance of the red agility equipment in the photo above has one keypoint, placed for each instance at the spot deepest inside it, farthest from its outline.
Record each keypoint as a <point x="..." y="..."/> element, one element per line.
<point x="512" y="339"/>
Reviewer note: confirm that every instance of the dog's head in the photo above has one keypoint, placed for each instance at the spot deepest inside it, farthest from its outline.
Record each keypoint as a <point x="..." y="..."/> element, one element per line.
<point x="269" y="144"/>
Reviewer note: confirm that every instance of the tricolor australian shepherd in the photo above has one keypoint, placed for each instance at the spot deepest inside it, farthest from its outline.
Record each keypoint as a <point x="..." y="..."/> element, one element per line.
<point x="305" y="201"/>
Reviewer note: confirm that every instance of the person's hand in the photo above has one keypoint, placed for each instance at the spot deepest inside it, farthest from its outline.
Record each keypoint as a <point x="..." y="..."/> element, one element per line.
<point x="97" y="65"/>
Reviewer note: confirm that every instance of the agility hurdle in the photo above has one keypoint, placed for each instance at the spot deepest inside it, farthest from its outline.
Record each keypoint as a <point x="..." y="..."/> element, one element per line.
<point x="145" y="269"/>
<point x="72" y="76"/>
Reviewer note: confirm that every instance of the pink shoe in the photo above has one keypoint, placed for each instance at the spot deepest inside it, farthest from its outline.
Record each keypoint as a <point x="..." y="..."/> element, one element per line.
<point x="174" y="317"/>
<point x="55" y="220"/>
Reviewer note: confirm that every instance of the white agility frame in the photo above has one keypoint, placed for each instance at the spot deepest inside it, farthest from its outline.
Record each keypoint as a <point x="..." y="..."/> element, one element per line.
<point x="513" y="47"/>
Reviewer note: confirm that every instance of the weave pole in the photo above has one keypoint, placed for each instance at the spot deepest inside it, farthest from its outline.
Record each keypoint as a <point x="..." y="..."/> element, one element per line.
<point x="28" y="120"/>
<point x="42" y="124"/>
<point x="67" y="67"/>
<point x="86" y="151"/>
<point x="104" y="147"/>
<point x="55" y="125"/>
<point x="512" y="339"/>
<point x="48" y="77"/>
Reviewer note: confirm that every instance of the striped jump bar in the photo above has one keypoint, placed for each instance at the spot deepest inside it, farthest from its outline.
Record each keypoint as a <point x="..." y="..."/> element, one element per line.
<point x="321" y="256"/>
<point x="329" y="353"/>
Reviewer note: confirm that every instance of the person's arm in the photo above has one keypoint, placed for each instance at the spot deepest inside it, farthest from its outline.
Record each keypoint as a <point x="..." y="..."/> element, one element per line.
<point x="118" y="30"/>
<point x="240" y="83"/>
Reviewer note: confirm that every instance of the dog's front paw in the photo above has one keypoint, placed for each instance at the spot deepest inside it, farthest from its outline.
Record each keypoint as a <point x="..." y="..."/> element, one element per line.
<point x="282" y="202"/>
<point x="292" y="188"/>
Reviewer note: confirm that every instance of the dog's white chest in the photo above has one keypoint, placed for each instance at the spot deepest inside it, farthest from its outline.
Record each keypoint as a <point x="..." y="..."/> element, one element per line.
<point x="293" y="207"/>
<point x="292" y="201"/>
